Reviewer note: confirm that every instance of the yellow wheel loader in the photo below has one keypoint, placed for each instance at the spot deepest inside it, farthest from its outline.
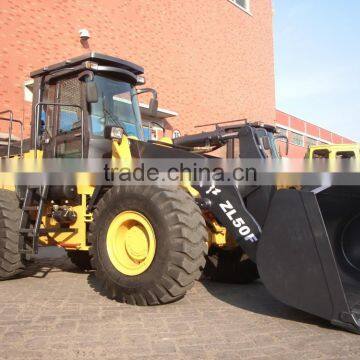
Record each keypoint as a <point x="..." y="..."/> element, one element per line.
<point x="147" y="244"/>
<point x="334" y="151"/>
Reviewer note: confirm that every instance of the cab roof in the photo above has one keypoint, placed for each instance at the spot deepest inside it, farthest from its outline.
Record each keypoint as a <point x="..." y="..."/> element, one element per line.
<point x="336" y="146"/>
<point x="98" y="58"/>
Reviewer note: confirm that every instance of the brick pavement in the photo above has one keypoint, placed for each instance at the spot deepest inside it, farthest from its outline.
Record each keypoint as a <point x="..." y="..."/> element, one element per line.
<point x="54" y="313"/>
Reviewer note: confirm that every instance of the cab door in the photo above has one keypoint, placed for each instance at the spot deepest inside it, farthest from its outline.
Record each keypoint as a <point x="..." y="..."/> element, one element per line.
<point x="64" y="136"/>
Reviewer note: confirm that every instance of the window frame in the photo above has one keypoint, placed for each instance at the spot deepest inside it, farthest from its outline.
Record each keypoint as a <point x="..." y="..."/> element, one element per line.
<point x="246" y="8"/>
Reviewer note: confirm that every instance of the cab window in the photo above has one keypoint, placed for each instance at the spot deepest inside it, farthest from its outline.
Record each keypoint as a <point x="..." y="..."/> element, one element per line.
<point x="345" y="155"/>
<point x="321" y="154"/>
<point x="117" y="105"/>
<point x="68" y="121"/>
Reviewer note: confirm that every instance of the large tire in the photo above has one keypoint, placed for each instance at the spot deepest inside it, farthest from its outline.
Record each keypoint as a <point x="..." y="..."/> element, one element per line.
<point x="12" y="263"/>
<point x="180" y="233"/>
<point x="80" y="258"/>
<point x="230" y="266"/>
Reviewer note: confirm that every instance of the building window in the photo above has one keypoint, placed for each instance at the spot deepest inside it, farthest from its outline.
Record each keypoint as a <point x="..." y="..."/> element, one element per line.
<point x="155" y="133"/>
<point x="176" y="134"/>
<point x="297" y="139"/>
<point x="152" y="132"/>
<point x="242" y="4"/>
<point x="281" y="131"/>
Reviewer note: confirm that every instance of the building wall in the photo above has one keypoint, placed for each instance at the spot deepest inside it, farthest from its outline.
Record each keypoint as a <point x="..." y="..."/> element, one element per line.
<point x="302" y="134"/>
<point x="209" y="60"/>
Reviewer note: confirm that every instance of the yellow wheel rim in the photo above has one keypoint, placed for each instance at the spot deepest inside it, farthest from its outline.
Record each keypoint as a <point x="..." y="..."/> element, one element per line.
<point x="131" y="243"/>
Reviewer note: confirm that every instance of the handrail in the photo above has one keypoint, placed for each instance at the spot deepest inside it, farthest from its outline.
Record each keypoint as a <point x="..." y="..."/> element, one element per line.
<point x="11" y="120"/>
<point x="37" y="117"/>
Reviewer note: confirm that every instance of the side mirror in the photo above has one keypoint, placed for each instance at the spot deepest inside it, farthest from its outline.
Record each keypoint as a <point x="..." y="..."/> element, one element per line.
<point x="91" y="92"/>
<point x="153" y="107"/>
<point x="286" y="139"/>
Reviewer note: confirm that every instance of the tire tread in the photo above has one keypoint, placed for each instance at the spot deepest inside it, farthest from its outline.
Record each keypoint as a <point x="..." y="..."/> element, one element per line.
<point x="12" y="262"/>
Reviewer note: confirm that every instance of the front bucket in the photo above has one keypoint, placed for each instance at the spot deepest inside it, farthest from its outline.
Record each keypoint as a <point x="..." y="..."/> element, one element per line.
<point x="309" y="253"/>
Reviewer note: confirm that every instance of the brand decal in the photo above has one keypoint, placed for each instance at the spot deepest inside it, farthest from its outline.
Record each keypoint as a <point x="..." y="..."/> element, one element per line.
<point x="237" y="222"/>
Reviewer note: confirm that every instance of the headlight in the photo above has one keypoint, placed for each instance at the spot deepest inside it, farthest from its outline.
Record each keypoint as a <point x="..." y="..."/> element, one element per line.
<point x="113" y="132"/>
<point x="140" y="80"/>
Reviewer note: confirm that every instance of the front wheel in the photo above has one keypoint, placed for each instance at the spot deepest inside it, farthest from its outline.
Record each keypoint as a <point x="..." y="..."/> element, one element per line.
<point x="148" y="244"/>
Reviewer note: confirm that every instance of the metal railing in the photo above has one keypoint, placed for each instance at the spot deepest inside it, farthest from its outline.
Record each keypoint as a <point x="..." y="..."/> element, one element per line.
<point x="37" y="117"/>
<point x="11" y="120"/>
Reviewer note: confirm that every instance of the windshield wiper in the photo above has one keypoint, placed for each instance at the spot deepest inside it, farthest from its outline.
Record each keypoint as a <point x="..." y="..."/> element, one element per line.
<point x="112" y="116"/>
<point x="115" y="120"/>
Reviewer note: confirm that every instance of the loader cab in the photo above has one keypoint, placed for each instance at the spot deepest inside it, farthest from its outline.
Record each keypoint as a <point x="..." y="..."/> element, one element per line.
<point x="254" y="141"/>
<point x="74" y="101"/>
<point x="335" y="151"/>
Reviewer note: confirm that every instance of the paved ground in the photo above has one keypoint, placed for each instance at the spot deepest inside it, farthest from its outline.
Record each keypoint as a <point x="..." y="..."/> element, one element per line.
<point x="55" y="314"/>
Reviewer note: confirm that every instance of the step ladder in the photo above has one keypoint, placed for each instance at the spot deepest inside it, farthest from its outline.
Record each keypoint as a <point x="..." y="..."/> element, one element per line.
<point x="35" y="197"/>
<point x="34" y="201"/>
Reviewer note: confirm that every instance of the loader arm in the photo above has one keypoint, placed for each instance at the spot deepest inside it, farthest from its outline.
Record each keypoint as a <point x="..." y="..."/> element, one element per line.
<point x="227" y="205"/>
<point x="307" y="249"/>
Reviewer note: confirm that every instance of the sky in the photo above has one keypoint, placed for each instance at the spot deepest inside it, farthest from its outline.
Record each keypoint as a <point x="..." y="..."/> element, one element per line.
<point x="317" y="62"/>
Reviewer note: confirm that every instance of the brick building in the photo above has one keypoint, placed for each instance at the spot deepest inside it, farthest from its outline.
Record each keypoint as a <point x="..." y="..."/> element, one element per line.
<point x="209" y="60"/>
<point x="303" y="134"/>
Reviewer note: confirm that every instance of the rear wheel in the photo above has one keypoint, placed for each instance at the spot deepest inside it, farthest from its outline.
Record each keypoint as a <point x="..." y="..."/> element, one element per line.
<point x="148" y="244"/>
<point x="230" y="266"/>
<point x="80" y="258"/>
<point x="12" y="262"/>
